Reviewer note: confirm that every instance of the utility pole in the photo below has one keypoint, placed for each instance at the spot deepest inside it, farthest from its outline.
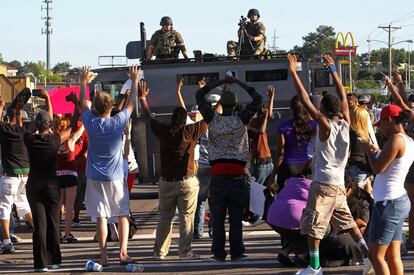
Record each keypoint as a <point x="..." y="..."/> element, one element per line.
<point x="274" y="38"/>
<point x="369" y="53"/>
<point x="48" y="30"/>
<point x="389" y="29"/>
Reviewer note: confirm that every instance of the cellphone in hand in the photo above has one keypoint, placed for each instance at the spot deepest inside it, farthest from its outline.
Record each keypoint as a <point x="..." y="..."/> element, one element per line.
<point x="36" y="92"/>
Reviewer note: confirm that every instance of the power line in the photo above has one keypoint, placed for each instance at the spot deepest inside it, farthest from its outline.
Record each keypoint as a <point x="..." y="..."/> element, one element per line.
<point x="402" y="17"/>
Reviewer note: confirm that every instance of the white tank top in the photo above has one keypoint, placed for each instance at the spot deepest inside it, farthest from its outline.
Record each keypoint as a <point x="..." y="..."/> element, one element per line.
<point x="389" y="185"/>
<point x="330" y="157"/>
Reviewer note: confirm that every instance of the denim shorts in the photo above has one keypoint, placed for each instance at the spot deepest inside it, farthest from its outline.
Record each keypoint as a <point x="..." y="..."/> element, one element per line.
<point x="387" y="220"/>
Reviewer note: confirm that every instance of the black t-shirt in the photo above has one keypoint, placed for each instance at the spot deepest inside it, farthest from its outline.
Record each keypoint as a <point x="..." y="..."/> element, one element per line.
<point x="14" y="156"/>
<point x="42" y="154"/>
<point x="357" y="157"/>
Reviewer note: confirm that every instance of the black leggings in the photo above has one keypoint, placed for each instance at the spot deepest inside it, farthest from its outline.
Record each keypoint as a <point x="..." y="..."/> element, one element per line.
<point x="44" y="199"/>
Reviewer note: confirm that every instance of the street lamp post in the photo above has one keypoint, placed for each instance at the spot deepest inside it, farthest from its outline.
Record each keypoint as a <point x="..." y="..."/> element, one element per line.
<point x="409" y="65"/>
<point x="389" y="50"/>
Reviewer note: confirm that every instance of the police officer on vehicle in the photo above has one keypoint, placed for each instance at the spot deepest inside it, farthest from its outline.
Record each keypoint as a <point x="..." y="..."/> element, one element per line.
<point x="166" y="43"/>
<point x="254" y="43"/>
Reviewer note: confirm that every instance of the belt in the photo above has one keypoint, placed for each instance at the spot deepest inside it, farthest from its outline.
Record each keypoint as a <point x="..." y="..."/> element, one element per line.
<point x="172" y="179"/>
<point x="262" y="160"/>
<point x="15" y="175"/>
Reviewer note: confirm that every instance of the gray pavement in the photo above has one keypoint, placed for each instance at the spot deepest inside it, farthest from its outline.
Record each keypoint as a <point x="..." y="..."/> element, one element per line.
<point x="261" y="243"/>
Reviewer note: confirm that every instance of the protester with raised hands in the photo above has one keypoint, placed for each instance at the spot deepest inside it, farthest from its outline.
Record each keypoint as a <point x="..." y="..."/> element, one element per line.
<point x="392" y="205"/>
<point x="400" y="99"/>
<point x="178" y="185"/>
<point x="327" y="200"/>
<point x="43" y="190"/>
<point x="106" y="194"/>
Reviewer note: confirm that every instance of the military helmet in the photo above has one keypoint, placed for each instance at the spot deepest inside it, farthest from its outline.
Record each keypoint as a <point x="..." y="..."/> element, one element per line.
<point x="253" y="12"/>
<point x="166" y="20"/>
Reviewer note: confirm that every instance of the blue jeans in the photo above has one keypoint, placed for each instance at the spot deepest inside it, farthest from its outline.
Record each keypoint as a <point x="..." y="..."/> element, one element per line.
<point x="203" y="176"/>
<point x="261" y="172"/>
<point x="358" y="175"/>
<point x="227" y="194"/>
<point x="387" y="220"/>
<point x="199" y="218"/>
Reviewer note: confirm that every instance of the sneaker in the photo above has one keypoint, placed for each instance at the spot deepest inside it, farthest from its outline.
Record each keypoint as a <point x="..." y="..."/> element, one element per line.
<point x="368" y="268"/>
<point x="159" y="257"/>
<point x="241" y="258"/>
<point x="246" y="223"/>
<point x="258" y="221"/>
<point x="69" y="239"/>
<point x="310" y="271"/>
<point x="190" y="256"/>
<point x="41" y="269"/>
<point x="7" y="249"/>
<point x="216" y="259"/>
<point x="54" y="266"/>
<point x="15" y="238"/>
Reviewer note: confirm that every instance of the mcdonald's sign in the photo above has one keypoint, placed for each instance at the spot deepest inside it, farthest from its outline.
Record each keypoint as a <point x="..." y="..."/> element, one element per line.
<point x="345" y="48"/>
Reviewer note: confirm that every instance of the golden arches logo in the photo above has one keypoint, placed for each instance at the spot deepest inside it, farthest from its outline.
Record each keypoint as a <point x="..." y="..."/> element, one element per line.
<point x="344" y="40"/>
<point x="345" y="48"/>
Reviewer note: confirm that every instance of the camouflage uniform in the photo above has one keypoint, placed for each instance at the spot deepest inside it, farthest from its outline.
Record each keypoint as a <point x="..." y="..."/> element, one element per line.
<point x="253" y="29"/>
<point x="165" y="44"/>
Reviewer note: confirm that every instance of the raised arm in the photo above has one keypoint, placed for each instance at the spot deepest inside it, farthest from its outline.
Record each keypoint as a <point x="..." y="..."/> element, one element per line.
<point x="180" y="99"/>
<point x="18" y="111"/>
<point x="143" y="93"/>
<point x="396" y="95"/>
<point x="204" y="106"/>
<point x="121" y="102"/>
<point x="400" y="86"/>
<point x="271" y="95"/>
<point x="303" y="95"/>
<point x="86" y="77"/>
<point x="45" y="96"/>
<point x="132" y="97"/>
<point x="340" y="90"/>
<point x="254" y="105"/>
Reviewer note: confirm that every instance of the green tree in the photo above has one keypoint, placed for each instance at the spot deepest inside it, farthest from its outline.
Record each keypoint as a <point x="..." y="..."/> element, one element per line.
<point x="398" y="56"/>
<point x="318" y="43"/>
<point x="61" y="68"/>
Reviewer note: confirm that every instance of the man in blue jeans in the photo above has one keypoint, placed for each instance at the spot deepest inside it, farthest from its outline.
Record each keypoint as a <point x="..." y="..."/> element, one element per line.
<point x="228" y="154"/>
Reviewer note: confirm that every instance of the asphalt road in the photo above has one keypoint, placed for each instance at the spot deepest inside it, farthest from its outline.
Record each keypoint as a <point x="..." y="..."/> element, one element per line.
<point x="261" y="243"/>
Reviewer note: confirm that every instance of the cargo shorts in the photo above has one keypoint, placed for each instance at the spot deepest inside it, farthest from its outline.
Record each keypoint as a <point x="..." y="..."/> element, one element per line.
<point x="326" y="205"/>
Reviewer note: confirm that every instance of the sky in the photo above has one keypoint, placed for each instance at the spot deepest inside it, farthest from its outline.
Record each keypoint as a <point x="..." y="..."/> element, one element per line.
<point x="83" y="30"/>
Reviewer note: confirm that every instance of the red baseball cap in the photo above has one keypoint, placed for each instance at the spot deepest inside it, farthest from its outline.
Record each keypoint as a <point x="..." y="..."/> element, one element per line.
<point x="391" y="110"/>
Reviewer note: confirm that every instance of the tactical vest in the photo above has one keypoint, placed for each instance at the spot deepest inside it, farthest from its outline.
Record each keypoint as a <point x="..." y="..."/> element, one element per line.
<point x="166" y="43"/>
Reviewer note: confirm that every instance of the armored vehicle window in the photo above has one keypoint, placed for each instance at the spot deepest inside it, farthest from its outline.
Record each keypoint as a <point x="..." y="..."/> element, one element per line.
<point x="268" y="75"/>
<point x="192" y="79"/>
<point x="322" y="78"/>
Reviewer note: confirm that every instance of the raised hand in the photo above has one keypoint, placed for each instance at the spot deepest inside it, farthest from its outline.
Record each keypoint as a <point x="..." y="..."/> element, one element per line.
<point x="87" y="75"/>
<point x="292" y="62"/>
<point x="397" y="76"/>
<point x="271" y="91"/>
<point x="43" y="94"/>
<point x="202" y="83"/>
<point x="72" y="98"/>
<point x="133" y="72"/>
<point x="143" y="89"/>
<point x="328" y="60"/>
<point x="180" y="84"/>
<point x="19" y="103"/>
<point x="387" y="80"/>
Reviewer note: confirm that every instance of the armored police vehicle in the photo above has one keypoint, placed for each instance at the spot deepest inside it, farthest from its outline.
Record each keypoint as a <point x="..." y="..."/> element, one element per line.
<point x="163" y="76"/>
